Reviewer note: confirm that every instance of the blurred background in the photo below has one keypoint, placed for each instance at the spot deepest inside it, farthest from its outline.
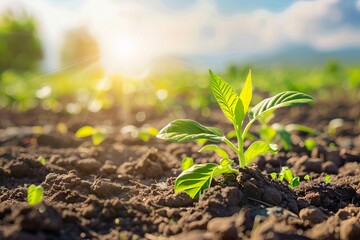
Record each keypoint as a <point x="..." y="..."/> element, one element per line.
<point x="76" y="55"/>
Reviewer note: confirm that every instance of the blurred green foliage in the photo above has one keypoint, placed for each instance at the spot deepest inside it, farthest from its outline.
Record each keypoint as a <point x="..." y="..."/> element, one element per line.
<point x="20" y="47"/>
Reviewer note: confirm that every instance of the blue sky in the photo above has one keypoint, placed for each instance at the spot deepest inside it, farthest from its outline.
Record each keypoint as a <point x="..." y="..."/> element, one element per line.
<point x="144" y="30"/>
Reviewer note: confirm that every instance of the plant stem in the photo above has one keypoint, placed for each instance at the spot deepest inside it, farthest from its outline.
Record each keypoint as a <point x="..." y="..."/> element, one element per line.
<point x="240" y="146"/>
<point x="231" y="145"/>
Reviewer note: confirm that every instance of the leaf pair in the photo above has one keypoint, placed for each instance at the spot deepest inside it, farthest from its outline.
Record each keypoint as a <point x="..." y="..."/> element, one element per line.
<point x="97" y="135"/>
<point x="233" y="106"/>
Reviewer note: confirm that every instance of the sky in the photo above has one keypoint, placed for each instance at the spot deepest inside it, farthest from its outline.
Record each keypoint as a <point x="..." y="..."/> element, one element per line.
<point x="134" y="33"/>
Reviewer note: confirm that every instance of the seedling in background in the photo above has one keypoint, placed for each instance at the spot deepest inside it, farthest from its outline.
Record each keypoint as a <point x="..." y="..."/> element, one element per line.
<point x="34" y="194"/>
<point x="277" y="131"/>
<point x="197" y="178"/>
<point x="287" y="175"/>
<point x="98" y="135"/>
<point x="310" y="144"/>
<point x="42" y="160"/>
<point x="187" y="163"/>
<point x="307" y="177"/>
<point x="327" y="178"/>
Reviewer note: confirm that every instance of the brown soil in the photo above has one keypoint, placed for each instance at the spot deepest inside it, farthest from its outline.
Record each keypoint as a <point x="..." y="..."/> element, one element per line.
<point x="123" y="189"/>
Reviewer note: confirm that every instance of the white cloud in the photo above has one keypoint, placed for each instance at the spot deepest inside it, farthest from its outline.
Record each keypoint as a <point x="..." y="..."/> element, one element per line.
<point x="202" y="30"/>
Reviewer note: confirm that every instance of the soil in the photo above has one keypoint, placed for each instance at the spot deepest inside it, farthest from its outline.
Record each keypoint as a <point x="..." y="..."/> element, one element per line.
<point x="123" y="188"/>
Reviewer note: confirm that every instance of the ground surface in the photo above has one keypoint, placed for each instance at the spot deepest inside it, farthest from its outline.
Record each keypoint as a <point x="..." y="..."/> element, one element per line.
<point x="123" y="189"/>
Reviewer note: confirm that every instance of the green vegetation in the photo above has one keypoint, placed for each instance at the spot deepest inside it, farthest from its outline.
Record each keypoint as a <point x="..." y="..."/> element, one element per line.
<point x="34" y="194"/>
<point x="287" y="175"/>
<point x="98" y="135"/>
<point x="327" y="178"/>
<point x="42" y="160"/>
<point x="235" y="107"/>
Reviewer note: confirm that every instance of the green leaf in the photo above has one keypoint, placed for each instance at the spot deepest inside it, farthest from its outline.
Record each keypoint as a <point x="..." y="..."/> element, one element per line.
<point x="225" y="162"/>
<point x="286" y="174"/>
<point x="42" y="160"/>
<point x="327" y="178"/>
<point x="301" y="128"/>
<point x="286" y="139"/>
<point x="34" y="194"/>
<point x="307" y="177"/>
<point x="310" y="144"/>
<point x="186" y="163"/>
<point x="273" y="175"/>
<point x="258" y="148"/>
<point x="224" y="95"/>
<point x="98" y="137"/>
<point x="295" y="182"/>
<point x="239" y="115"/>
<point x="85" y="131"/>
<point x="185" y="130"/>
<point x="267" y="133"/>
<point x="283" y="99"/>
<point x="195" y="179"/>
<point x="222" y="153"/>
<point x="246" y="92"/>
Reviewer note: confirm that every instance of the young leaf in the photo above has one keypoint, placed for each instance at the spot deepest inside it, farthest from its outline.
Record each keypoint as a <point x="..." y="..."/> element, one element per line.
<point x="267" y="133"/>
<point x="286" y="174"/>
<point x="98" y="137"/>
<point x="42" y="160"/>
<point x="283" y="99"/>
<point x="239" y="114"/>
<point x="224" y="95"/>
<point x="307" y="177"/>
<point x="225" y="162"/>
<point x="300" y="128"/>
<point x="222" y="153"/>
<point x="195" y="179"/>
<point x="273" y="175"/>
<point x="310" y="144"/>
<point x="327" y="178"/>
<point x="285" y="137"/>
<point x="186" y="130"/>
<point x="246" y="92"/>
<point x="186" y="163"/>
<point x="257" y="148"/>
<point x="34" y="194"/>
<point x="85" y="131"/>
<point x="295" y="182"/>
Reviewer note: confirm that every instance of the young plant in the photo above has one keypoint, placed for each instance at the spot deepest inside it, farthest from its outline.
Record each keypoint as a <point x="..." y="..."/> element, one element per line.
<point x="98" y="135"/>
<point x="34" y="194"/>
<point x="197" y="178"/>
<point x="327" y="178"/>
<point x="269" y="132"/>
<point x="287" y="175"/>
<point x="42" y="160"/>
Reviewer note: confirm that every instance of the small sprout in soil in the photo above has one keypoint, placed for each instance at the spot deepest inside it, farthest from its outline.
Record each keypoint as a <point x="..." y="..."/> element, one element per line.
<point x="145" y="133"/>
<point x="307" y="177"/>
<point x="61" y="128"/>
<point x="269" y="132"/>
<point x="42" y="160"/>
<point x="287" y="175"/>
<point x="98" y="135"/>
<point x="34" y="194"/>
<point x="310" y="144"/>
<point x="186" y="163"/>
<point x="333" y="125"/>
<point x="197" y="178"/>
<point x="327" y="178"/>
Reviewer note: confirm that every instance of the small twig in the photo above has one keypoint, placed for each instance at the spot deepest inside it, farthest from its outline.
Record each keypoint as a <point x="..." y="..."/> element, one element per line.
<point x="259" y="201"/>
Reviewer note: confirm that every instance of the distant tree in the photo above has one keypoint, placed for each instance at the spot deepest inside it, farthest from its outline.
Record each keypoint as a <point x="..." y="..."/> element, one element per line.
<point x="20" y="46"/>
<point x="80" y="48"/>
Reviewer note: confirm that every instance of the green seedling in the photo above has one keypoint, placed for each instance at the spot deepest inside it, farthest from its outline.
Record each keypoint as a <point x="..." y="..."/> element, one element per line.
<point x="310" y="144"/>
<point x="287" y="175"/>
<point x="98" y="135"/>
<point x="307" y="177"/>
<point x="197" y="178"/>
<point x="146" y="133"/>
<point x="34" y="194"/>
<point x="327" y="178"/>
<point x="278" y="131"/>
<point x="42" y="160"/>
